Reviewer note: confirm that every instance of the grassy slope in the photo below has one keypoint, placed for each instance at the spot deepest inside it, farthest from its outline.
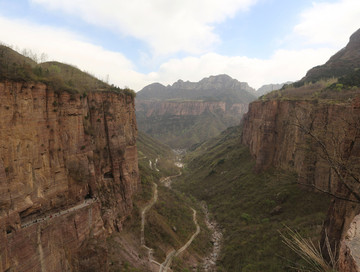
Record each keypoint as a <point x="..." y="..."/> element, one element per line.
<point x="171" y="210"/>
<point x="58" y="76"/>
<point x="220" y="172"/>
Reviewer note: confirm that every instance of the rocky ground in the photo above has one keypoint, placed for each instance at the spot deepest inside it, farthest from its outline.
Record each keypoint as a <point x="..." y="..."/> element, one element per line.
<point x="209" y="264"/>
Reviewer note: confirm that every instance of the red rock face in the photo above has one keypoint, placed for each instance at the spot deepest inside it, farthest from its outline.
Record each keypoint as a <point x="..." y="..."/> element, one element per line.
<point x="55" y="151"/>
<point x="185" y="108"/>
<point x="276" y="133"/>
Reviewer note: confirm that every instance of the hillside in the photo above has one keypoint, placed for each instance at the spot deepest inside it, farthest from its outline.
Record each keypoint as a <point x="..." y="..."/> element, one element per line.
<point x="58" y="76"/>
<point x="188" y="113"/>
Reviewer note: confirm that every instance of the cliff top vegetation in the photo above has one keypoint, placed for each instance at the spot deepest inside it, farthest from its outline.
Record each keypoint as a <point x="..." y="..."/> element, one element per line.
<point x="58" y="76"/>
<point x="337" y="80"/>
<point x="332" y="89"/>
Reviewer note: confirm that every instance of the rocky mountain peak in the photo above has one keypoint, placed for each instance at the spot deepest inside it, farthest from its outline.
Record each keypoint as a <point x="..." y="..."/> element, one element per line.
<point x="219" y="87"/>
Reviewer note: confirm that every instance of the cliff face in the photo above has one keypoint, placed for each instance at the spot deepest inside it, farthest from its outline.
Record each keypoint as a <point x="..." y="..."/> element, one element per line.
<point x="307" y="137"/>
<point x="187" y="108"/>
<point x="68" y="170"/>
<point x="183" y="124"/>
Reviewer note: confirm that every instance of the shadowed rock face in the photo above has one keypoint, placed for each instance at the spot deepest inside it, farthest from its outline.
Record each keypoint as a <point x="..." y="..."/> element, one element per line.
<point x="55" y="151"/>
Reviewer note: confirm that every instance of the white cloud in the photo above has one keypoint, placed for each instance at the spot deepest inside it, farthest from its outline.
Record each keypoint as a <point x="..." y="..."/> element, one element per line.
<point x="283" y="66"/>
<point x="67" y="47"/>
<point x="329" y="23"/>
<point x="63" y="46"/>
<point x="166" y="26"/>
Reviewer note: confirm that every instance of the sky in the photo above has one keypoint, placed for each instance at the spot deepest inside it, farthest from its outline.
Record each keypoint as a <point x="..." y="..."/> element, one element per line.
<point x="133" y="43"/>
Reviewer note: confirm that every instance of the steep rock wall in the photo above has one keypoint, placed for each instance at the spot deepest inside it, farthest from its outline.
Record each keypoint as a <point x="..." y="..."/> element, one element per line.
<point x="278" y="133"/>
<point x="56" y="150"/>
<point x="187" y="108"/>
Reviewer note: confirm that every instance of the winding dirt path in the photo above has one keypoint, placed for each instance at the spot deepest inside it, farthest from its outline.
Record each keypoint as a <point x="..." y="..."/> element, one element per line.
<point x="166" y="264"/>
<point x="144" y="211"/>
<point x="168" y="180"/>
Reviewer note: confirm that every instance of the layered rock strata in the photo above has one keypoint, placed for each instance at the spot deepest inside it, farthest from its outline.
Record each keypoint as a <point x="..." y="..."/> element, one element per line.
<point x="58" y="150"/>
<point x="188" y="108"/>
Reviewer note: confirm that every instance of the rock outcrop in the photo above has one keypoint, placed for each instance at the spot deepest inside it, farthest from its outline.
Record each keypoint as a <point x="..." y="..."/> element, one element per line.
<point x="58" y="150"/>
<point x="349" y="257"/>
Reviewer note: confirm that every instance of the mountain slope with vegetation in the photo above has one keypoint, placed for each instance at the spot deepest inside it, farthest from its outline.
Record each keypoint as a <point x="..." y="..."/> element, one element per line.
<point x="342" y="63"/>
<point x="251" y="207"/>
<point x="58" y="76"/>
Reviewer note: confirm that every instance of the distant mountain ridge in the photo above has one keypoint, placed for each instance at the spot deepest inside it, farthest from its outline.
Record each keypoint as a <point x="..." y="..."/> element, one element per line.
<point x="220" y="87"/>
<point x="269" y="88"/>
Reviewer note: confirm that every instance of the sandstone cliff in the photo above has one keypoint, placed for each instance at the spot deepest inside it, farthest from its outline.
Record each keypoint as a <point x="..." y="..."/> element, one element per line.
<point x="317" y="140"/>
<point x="68" y="171"/>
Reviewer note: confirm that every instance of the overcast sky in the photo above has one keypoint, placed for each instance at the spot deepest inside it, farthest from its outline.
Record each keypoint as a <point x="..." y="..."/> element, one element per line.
<point x="137" y="42"/>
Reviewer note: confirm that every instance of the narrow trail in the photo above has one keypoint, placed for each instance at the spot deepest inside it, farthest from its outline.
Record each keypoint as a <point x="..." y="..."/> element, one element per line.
<point x="168" y="180"/>
<point x="144" y="211"/>
<point x="86" y="203"/>
<point x="188" y="243"/>
<point x="166" y="264"/>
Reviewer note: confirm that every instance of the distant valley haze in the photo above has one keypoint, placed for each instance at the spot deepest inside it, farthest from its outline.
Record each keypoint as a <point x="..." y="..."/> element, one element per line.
<point x="136" y="43"/>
